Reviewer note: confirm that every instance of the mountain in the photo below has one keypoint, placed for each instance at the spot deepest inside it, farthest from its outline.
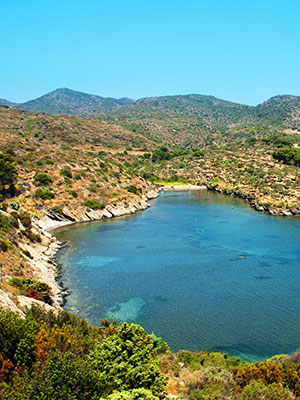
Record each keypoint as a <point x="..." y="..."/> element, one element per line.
<point x="190" y="119"/>
<point x="4" y="102"/>
<point x="177" y="121"/>
<point x="182" y="119"/>
<point x="282" y="110"/>
<point x="67" y="101"/>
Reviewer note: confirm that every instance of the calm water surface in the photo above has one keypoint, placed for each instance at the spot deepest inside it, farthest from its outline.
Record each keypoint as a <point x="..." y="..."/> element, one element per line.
<point x="195" y="271"/>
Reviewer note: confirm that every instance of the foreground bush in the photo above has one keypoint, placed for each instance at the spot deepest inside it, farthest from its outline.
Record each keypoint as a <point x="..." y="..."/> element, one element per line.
<point x="58" y="356"/>
<point x="257" y="390"/>
<point x="127" y="360"/>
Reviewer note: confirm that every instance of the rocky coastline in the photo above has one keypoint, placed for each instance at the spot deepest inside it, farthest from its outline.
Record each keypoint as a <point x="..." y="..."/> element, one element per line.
<point x="256" y="204"/>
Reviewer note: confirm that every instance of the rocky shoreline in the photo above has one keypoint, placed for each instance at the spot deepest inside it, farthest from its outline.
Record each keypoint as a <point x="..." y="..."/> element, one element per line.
<point x="254" y="202"/>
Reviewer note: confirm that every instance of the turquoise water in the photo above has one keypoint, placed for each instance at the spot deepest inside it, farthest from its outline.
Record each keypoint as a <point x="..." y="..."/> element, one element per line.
<point x="195" y="271"/>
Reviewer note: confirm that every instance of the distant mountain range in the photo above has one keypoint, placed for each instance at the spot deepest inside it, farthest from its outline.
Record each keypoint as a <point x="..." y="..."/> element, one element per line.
<point x="182" y="119"/>
<point x="67" y="101"/>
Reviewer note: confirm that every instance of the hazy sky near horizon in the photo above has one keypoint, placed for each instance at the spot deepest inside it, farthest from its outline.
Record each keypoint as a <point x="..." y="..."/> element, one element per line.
<point x="243" y="51"/>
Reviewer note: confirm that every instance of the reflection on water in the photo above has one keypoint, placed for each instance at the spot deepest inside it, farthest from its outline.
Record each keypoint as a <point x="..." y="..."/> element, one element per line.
<point x="195" y="271"/>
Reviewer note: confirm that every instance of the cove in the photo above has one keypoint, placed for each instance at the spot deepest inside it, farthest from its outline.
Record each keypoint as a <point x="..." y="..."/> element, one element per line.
<point x="199" y="273"/>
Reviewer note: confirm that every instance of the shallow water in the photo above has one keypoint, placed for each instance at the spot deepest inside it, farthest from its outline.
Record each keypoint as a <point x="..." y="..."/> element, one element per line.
<point x="195" y="271"/>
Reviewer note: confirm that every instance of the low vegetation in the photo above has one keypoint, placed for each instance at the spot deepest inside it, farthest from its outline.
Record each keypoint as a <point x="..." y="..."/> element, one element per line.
<point x="57" y="356"/>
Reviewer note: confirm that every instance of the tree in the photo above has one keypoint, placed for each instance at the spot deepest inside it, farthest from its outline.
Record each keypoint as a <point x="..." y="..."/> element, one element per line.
<point x="8" y="171"/>
<point x="127" y="360"/>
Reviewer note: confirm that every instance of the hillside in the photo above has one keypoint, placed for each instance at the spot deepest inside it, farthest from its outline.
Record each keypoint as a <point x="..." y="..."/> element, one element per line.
<point x="283" y="111"/>
<point x="177" y="121"/>
<point x="182" y="120"/>
<point x="60" y="169"/>
<point x="186" y="121"/>
<point x="67" y="101"/>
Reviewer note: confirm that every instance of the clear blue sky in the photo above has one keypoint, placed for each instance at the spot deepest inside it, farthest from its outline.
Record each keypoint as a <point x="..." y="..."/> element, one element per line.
<point x="245" y="51"/>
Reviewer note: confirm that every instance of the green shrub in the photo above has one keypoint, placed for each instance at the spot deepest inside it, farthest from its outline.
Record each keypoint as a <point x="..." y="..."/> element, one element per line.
<point x="214" y="181"/>
<point x="43" y="179"/>
<point x="135" y="394"/>
<point x="33" y="237"/>
<point x="288" y="156"/>
<point x="3" y="246"/>
<point x="161" y="154"/>
<point x="24" y="284"/>
<point x="257" y="390"/>
<point x="25" y="219"/>
<point x="8" y="171"/>
<point x="198" y="153"/>
<point x="133" y="189"/>
<point x="17" y="338"/>
<point x="45" y="193"/>
<point x="94" y="204"/>
<point x="93" y="188"/>
<point x="72" y="193"/>
<point x="66" y="172"/>
<point x="126" y="361"/>
<point x="8" y="223"/>
<point x="3" y="206"/>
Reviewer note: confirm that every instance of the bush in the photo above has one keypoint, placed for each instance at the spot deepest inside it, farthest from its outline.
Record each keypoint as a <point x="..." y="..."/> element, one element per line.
<point x="72" y="193"/>
<point x="8" y="171"/>
<point x="288" y="156"/>
<point x="3" y="246"/>
<point x="45" y="193"/>
<point x="33" y="237"/>
<point x="133" y="189"/>
<point x="25" y="219"/>
<point x="94" y="204"/>
<point x="63" y="377"/>
<point x="198" y="153"/>
<point x="126" y="360"/>
<point x="265" y="372"/>
<point x="257" y="390"/>
<point x="43" y="179"/>
<point x="135" y="394"/>
<point x="66" y="172"/>
<point x="3" y="206"/>
<point x="16" y="338"/>
<point x="8" y="223"/>
<point x="161" y="154"/>
<point x="25" y="284"/>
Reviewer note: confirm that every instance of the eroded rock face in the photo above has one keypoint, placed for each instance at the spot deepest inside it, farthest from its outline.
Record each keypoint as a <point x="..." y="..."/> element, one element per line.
<point x="7" y="303"/>
<point x="25" y="303"/>
<point x="70" y="215"/>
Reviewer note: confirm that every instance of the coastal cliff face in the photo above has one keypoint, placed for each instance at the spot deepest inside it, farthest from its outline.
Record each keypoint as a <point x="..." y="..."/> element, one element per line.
<point x="70" y="214"/>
